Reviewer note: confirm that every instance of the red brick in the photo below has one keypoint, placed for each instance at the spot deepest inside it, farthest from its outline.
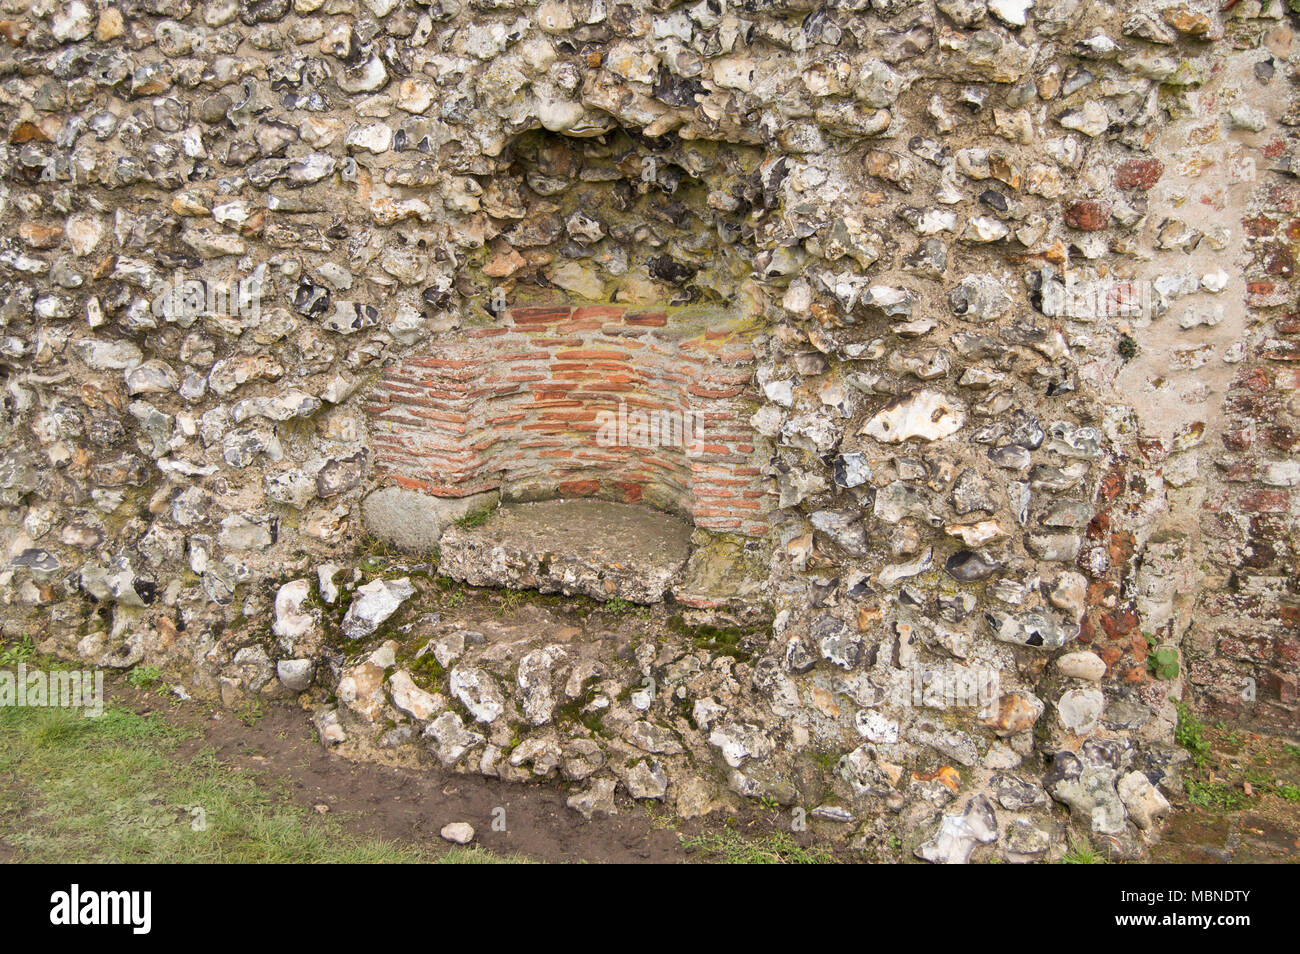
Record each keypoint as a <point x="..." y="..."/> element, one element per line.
<point x="490" y="407"/>
<point x="631" y="492"/>
<point x="591" y="355"/>
<point x="1118" y="624"/>
<point x="1089" y="215"/>
<point x="1259" y="226"/>
<point x="1266" y="501"/>
<point x="1281" y="351"/>
<point x="708" y="393"/>
<point x="580" y="488"/>
<point x="586" y="312"/>
<point x="534" y="316"/>
<point x="1138" y="173"/>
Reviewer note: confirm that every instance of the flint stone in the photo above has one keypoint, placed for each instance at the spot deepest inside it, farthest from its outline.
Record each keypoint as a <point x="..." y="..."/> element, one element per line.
<point x="373" y="604"/>
<point x="646" y="780"/>
<point x="959" y="834"/>
<point x="923" y="415"/>
<point x="1145" y="803"/>
<point x="598" y="798"/>
<point x="477" y="692"/>
<point x="295" y="674"/>
<point x="411" y="699"/>
<point x="449" y="740"/>
<point x="458" y="833"/>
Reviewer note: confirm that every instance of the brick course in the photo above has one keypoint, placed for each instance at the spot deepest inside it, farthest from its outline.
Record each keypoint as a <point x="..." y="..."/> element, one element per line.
<point x="517" y="409"/>
<point x="1244" y="663"/>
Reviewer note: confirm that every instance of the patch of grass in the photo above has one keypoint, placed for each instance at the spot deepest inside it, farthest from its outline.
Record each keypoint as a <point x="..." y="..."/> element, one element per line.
<point x="1293" y="751"/>
<point x="21" y="650"/>
<point x="621" y="607"/>
<point x="511" y="599"/>
<point x="372" y="546"/>
<point x="1233" y="770"/>
<point x="475" y="519"/>
<point x="250" y="713"/>
<point x="1081" y="852"/>
<point x="426" y="671"/>
<point x="660" y="819"/>
<point x="731" y="847"/>
<point x="112" y="789"/>
<point x="1190" y="734"/>
<point x="826" y="760"/>
<point x="1230" y="737"/>
<point x="144" y="677"/>
<point x="573" y="710"/>
<point x="1216" y="796"/>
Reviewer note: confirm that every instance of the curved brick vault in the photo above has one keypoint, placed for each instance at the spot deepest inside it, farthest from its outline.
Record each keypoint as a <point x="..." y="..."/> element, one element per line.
<point x="519" y="408"/>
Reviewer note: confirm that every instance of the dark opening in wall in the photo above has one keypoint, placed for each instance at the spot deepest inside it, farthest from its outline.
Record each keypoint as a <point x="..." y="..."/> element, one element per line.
<point x="604" y="349"/>
<point x="603" y="352"/>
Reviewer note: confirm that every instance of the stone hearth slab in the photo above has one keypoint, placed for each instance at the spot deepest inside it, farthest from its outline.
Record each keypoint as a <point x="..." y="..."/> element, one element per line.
<point x="593" y="548"/>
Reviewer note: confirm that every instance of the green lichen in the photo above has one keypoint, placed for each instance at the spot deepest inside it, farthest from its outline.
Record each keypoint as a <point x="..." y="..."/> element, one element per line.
<point x="426" y="672"/>
<point x="573" y="711"/>
<point x="718" y="640"/>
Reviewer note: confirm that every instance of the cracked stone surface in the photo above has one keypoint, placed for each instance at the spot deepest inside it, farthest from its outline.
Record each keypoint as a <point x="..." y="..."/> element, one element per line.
<point x="592" y="548"/>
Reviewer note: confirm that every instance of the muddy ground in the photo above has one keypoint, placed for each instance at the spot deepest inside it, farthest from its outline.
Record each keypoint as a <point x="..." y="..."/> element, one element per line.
<point x="279" y="747"/>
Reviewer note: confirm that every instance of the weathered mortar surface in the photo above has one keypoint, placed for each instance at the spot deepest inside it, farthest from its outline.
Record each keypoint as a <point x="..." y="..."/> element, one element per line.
<point x="954" y="480"/>
<point x="575" y="547"/>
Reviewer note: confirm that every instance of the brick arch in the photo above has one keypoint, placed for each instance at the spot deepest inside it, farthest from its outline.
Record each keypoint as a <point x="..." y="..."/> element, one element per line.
<point x="519" y="407"/>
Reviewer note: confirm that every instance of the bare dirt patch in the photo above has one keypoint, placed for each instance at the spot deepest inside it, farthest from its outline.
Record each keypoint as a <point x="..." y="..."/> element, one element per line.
<point x="279" y="748"/>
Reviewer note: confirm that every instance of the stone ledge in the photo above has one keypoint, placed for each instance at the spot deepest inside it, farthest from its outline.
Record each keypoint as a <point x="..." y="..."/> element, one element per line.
<point x="576" y="547"/>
